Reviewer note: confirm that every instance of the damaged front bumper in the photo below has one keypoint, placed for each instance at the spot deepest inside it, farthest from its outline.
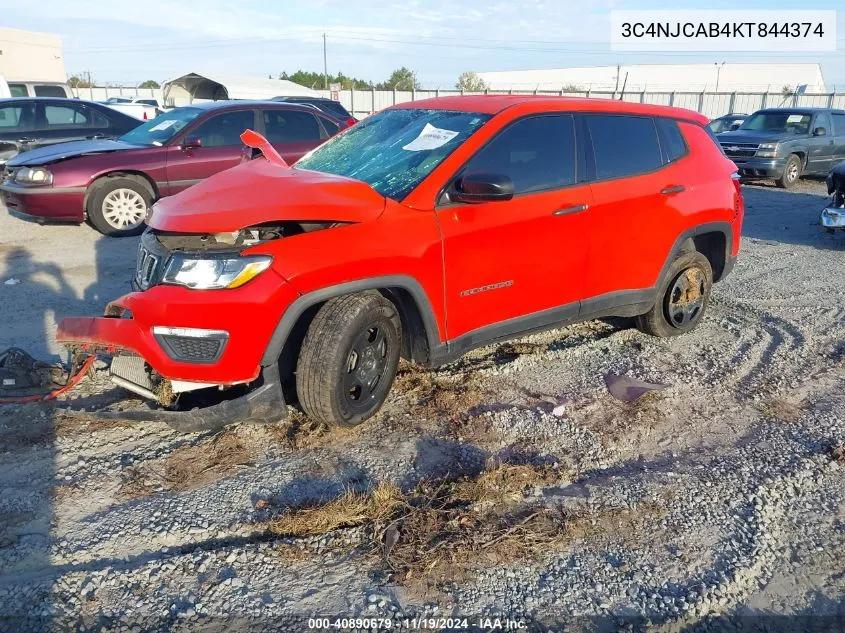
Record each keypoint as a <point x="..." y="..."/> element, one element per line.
<point x="168" y="340"/>
<point x="264" y="403"/>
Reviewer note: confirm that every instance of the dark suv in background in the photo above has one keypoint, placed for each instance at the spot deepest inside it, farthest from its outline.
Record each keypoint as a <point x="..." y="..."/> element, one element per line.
<point x="329" y="106"/>
<point x="786" y="143"/>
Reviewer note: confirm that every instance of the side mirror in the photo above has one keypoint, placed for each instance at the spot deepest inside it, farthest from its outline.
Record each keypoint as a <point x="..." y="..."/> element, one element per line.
<point x="191" y="142"/>
<point x="735" y="126"/>
<point x="820" y="131"/>
<point x="480" y="187"/>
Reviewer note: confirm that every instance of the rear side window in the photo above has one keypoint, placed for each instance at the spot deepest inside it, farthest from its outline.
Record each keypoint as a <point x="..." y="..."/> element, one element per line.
<point x="838" y="124"/>
<point x="17" y="118"/>
<point x="18" y="90"/>
<point x="623" y="145"/>
<point x="671" y="140"/>
<point x="537" y="154"/>
<point x="331" y="127"/>
<point x="50" y="91"/>
<point x="62" y="116"/>
<point x="290" y="126"/>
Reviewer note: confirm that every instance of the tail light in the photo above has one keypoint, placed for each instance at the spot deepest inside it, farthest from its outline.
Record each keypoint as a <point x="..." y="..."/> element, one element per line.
<point x="145" y="115"/>
<point x="351" y="121"/>
<point x="739" y="202"/>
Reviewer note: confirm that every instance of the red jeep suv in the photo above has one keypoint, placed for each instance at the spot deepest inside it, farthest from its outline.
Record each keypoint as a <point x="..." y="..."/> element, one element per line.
<point x="424" y="231"/>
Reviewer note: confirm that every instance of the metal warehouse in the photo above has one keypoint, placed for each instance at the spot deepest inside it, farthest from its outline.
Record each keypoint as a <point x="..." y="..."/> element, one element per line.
<point x="712" y="77"/>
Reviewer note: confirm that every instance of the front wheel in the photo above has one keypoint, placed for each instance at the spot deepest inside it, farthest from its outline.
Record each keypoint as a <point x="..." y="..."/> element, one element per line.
<point x="682" y="298"/>
<point x="348" y="359"/>
<point x="117" y="206"/>
<point x="791" y="173"/>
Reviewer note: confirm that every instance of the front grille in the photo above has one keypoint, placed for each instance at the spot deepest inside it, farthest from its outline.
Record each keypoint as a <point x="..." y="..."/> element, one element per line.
<point x="190" y="349"/>
<point x="740" y="150"/>
<point x="149" y="266"/>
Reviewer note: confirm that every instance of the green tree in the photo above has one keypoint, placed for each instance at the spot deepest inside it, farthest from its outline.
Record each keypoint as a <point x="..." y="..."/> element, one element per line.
<point x="400" y="79"/>
<point x="470" y="82"/>
<point x="572" y="88"/>
<point x="316" y="80"/>
<point x="76" y="81"/>
<point x="150" y="83"/>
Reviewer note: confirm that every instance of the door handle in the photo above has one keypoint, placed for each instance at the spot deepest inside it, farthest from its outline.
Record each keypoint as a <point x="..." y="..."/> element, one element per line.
<point x="567" y="210"/>
<point x="26" y="140"/>
<point x="670" y="190"/>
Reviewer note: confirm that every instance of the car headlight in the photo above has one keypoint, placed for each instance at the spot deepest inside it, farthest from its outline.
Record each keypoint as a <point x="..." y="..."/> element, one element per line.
<point x="214" y="273"/>
<point x="33" y="176"/>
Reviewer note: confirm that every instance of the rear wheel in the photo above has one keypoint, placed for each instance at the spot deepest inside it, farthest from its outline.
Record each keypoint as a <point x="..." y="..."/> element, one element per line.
<point x="682" y="298"/>
<point x="117" y="206"/>
<point x="791" y="172"/>
<point x="348" y="359"/>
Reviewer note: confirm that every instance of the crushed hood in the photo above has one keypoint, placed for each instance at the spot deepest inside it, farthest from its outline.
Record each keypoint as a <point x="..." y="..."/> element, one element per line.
<point x="257" y="192"/>
<point x="72" y="149"/>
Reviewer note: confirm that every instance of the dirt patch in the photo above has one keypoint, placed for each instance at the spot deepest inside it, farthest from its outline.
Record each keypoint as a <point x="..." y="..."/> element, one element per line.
<point x="25" y="431"/>
<point x="299" y="432"/>
<point x="438" y="395"/>
<point x="189" y="467"/>
<point x="782" y="410"/>
<point x="838" y="454"/>
<point x="614" y="422"/>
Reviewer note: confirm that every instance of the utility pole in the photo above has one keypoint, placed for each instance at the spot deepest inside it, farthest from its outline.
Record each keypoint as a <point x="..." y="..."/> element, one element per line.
<point x="325" y="65"/>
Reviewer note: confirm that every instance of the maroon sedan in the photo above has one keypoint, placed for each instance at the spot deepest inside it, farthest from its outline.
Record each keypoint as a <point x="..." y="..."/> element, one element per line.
<point x="113" y="182"/>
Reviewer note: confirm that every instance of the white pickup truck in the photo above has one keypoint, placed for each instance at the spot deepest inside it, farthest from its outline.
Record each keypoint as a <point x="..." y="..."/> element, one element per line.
<point x="138" y="107"/>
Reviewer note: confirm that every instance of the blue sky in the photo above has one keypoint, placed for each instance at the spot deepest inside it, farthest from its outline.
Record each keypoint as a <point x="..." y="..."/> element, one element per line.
<point x="129" y="41"/>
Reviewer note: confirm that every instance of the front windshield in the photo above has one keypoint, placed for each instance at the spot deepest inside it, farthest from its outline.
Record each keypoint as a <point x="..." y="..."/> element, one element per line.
<point x="782" y="122"/>
<point x="393" y="151"/>
<point x="162" y="128"/>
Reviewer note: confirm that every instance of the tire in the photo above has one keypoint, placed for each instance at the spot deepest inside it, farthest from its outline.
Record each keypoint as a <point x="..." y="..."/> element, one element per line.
<point x="117" y="206"/>
<point x="348" y="359"/>
<point x="791" y="173"/>
<point x="673" y="313"/>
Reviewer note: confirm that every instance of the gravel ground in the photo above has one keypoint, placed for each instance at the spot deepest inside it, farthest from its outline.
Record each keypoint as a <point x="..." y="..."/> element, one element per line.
<point x="715" y="502"/>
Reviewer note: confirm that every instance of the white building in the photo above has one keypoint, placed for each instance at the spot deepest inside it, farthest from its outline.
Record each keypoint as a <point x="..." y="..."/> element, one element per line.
<point x="31" y="56"/>
<point x="718" y="77"/>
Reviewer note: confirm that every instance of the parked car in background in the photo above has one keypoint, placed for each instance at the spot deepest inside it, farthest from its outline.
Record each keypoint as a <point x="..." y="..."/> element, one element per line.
<point x="727" y="123"/>
<point x="153" y="103"/>
<point x="833" y="216"/>
<point x="34" y="89"/>
<point x="138" y="110"/>
<point x="27" y="124"/>
<point x="112" y="183"/>
<point x="329" y="106"/>
<point x="417" y="233"/>
<point x="786" y="143"/>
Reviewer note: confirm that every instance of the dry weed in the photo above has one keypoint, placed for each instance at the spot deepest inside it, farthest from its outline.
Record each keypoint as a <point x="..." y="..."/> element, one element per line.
<point x="443" y="530"/>
<point x="350" y="510"/>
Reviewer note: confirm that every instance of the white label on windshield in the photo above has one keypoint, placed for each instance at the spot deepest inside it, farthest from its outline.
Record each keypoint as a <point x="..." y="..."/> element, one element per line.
<point x="162" y="126"/>
<point x="430" y="138"/>
<point x="794" y="118"/>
